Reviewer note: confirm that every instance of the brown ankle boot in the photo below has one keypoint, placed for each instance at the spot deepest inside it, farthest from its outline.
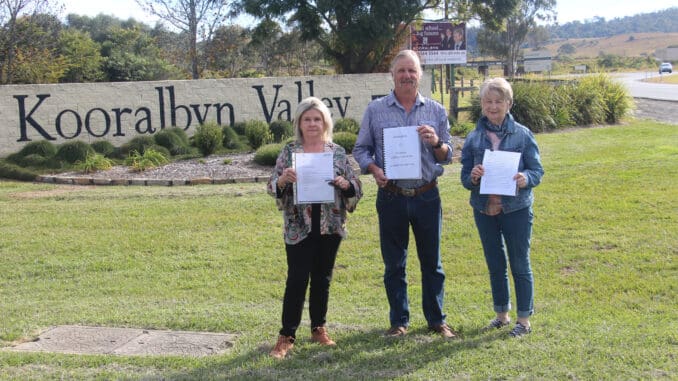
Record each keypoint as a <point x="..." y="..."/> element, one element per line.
<point x="319" y="335"/>
<point x="284" y="344"/>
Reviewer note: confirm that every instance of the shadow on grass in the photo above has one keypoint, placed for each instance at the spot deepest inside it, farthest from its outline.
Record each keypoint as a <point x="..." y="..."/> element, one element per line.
<point x="358" y="355"/>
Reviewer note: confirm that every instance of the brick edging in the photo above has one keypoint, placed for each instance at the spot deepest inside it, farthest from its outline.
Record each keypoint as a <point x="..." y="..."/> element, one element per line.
<point x="145" y="182"/>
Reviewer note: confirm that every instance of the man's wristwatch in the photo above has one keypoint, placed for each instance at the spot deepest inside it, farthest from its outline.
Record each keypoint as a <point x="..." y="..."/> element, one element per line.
<point x="440" y="144"/>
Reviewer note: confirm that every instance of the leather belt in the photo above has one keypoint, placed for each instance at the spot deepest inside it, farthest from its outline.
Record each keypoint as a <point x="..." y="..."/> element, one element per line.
<point x="410" y="192"/>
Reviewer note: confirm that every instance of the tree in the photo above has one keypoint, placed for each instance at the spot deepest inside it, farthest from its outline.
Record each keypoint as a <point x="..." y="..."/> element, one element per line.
<point x="98" y="27"/>
<point x="10" y="12"/>
<point x="82" y="55"/>
<point x="507" y="43"/>
<point x="227" y="51"/>
<point x="130" y="55"/>
<point x="35" y="57"/>
<point x="358" y="35"/>
<point x="265" y="38"/>
<point x="192" y="17"/>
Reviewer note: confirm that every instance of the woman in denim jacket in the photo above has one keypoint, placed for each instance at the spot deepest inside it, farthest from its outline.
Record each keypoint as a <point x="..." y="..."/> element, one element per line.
<point x="312" y="231"/>
<point x="504" y="222"/>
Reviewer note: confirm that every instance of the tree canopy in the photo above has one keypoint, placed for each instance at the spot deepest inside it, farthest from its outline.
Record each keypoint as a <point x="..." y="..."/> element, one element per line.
<point x="192" y="17"/>
<point x="358" y="35"/>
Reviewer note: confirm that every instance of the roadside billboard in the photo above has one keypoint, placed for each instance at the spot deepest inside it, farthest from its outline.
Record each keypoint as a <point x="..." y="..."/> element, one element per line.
<point x="439" y="42"/>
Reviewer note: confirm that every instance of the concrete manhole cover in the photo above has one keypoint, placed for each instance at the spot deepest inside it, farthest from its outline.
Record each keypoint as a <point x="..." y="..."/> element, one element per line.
<point x="127" y="341"/>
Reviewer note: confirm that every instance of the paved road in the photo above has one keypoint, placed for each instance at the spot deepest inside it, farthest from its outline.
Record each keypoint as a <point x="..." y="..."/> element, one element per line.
<point x="640" y="89"/>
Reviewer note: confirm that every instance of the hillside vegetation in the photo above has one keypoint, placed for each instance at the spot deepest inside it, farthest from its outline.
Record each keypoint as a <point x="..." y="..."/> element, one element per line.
<point x="626" y="45"/>
<point x="665" y="21"/>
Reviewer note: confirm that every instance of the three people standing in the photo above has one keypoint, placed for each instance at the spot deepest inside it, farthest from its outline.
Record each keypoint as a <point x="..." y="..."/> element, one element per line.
<point x="313" y="232"/>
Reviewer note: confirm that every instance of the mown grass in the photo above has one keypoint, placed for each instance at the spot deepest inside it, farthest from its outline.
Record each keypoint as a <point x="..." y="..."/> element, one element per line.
<point x="211" y="258"/>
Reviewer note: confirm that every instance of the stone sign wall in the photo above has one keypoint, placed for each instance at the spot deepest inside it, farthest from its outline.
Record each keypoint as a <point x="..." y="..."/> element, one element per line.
<point x="119" y="111"/>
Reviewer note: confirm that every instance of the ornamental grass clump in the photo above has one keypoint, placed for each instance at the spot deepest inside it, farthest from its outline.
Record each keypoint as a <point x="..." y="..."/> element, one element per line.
<point x="103" y="147"/>
<point x="73" y="151"/>
<point x="230" y="138"/>
<point x="94" y="162"/>
<point x="34" y="154"/>
<point x="149" y="159"/>
<point x="172" y="141"/>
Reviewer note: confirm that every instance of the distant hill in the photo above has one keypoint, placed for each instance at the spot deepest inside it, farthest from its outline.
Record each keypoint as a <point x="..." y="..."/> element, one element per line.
<point x="665" y="21"/>
<point x="625" y="45"/>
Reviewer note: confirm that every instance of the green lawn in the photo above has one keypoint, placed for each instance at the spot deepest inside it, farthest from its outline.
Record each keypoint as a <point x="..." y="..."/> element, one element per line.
<point x="211" y="258"/>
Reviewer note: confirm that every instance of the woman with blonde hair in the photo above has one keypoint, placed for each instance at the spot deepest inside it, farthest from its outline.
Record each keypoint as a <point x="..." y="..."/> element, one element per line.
<point x="312" y="231"/>
<point x="504" y="222"/>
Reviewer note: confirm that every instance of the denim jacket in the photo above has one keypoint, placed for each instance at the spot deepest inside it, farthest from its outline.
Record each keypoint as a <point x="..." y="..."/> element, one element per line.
<point x="517" y="139"/>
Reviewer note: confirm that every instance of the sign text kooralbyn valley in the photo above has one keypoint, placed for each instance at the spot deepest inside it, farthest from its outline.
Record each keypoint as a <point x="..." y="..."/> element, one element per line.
<point x="117" y="112"/>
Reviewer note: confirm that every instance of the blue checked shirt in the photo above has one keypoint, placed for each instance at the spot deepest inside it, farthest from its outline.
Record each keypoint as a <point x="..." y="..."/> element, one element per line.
<point x="387" y="112"/>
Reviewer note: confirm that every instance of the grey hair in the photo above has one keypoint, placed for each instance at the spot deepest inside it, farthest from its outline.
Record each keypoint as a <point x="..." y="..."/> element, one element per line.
<point x="498" y="84"/>
<point x="407" y="54"/>
<point x="313" y="103"/>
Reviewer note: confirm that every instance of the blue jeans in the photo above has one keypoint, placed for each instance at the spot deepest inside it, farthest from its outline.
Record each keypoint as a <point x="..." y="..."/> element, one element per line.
<point x="514" y="231"/>
<point x="424" y="214"/>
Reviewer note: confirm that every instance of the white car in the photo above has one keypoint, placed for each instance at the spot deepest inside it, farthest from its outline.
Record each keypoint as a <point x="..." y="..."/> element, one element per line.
<point x="665" y="67"/>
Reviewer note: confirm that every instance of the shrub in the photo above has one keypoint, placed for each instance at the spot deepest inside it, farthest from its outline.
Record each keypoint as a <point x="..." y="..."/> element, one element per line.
<point x="561" y="106"/>
<point x="180" y="133"/>
<point x="462" y="129"/>
<point x="34" y="160"/>
<point x="12" y="171"/>
<point x="345" y="139"/>
<point x="267" y="154"/>
<point x="281" y="129"/>
<point x="73" y="151"/>
<point x="239" y="128"/>
<point x="207" y="138"/>
<point x="149" y="159"/>
<point x="172" y="142"/>
<point x="103" y="147"/>
<point x="258" y="133"/>
<point x="615" y="96"/>
<point x="44" y="148"/>
<point x="94" y="162"/>
<point x="346" y="125"/>
<point x="588" y="103"/>
<point x="230" y="138"/>
<point x="138" y="144"/>
<point x="532" y="107"/>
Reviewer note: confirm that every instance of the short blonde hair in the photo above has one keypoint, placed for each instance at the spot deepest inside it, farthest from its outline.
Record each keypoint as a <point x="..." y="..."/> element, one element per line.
<point x="313" y="103"/>
<point x="498" y="84"/>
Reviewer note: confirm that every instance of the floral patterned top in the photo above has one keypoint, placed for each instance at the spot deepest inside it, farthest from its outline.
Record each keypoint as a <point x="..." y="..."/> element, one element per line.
<point x="297" y="217"/>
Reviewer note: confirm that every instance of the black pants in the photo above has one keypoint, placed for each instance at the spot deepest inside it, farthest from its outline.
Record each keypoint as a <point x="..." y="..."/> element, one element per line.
<point x="313" y="257"/>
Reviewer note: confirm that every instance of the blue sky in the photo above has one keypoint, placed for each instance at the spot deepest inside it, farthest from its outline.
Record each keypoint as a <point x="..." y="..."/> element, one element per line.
<point x="568" y="10"/>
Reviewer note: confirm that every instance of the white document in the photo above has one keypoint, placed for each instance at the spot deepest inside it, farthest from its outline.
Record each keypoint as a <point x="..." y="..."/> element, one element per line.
<point x="402" y="153"/>
<point x="314" y="171"/>
<point x="500" y="167"/>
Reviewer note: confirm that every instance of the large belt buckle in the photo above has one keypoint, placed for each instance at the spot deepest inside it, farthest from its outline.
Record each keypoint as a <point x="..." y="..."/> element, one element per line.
<point x="408" y="192"/>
